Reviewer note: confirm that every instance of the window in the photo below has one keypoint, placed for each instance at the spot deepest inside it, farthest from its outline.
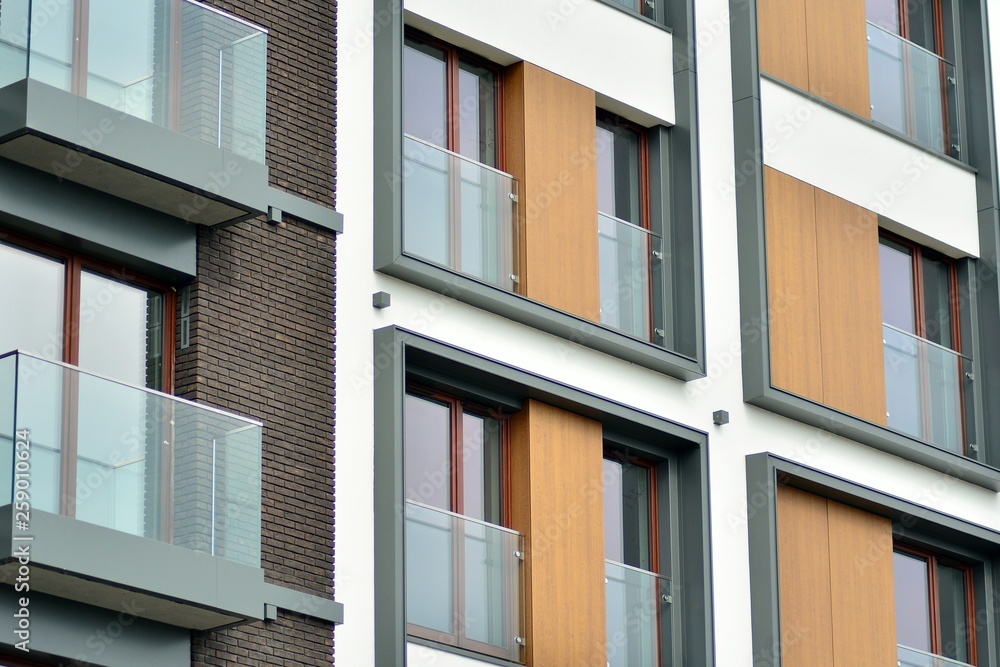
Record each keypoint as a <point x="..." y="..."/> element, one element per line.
<point x="926" y="374"/>
<point x="459" y="209"/>
<point x="461" y="568"/>
<point x="934" y="607"/>
<point x="645" y="7"/>
<point x="66" y="308"/>
<point x="628" y="249"/>
<point x="636" y="594"/>
<point x="912" y="69"/>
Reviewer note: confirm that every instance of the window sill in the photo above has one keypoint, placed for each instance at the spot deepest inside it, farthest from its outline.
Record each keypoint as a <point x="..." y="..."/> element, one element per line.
<point x="542" y="317"/>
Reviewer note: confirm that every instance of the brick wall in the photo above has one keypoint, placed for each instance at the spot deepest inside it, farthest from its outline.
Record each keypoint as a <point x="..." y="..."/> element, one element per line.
<point x="262" y="338"/>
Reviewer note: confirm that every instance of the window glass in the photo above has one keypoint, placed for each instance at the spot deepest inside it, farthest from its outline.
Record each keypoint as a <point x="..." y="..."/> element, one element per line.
<point x="481" y="467"/>
<point x="425" y="97"/>
<point x="952" y="591"/>
<point x="477" y="106"/>
<point x="31" y="303"/>
<point x="121" y="330"/>
<point x="427" y="434"/>
<point x="896" y="266"/>
<point x="884" y="13"/>
<point x="913" y="611"/>
<point x="627" y="514"/>
<point x="937" y="301"/>
<point x="922" y="23"/>
<point x="619" y="189"/>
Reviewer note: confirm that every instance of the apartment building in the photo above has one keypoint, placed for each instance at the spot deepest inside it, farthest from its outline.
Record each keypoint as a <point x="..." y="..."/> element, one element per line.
<point x="167" y="242"/>
<point x="669" y="334"/>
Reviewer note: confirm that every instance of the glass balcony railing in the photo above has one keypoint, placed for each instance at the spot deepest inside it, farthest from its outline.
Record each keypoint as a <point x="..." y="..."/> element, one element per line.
<point x="459" y="213"/>
<point x="925" y="387"/>
<point x="913" y="91"/>
<point x="464" y="582"/>
<point x="130" y="459"/>
<point x="911" y="657"/>
<point x="638" y="609"/>
<point x="630" y="257"/>
<point x="176" y="63"/>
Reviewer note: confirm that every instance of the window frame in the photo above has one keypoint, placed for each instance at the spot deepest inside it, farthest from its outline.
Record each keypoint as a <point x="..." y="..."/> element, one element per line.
<point x="454" y="57"/>
<point x="457" y="408"/>
<point x="74" y="264"/>
<point x="934" y="559"/>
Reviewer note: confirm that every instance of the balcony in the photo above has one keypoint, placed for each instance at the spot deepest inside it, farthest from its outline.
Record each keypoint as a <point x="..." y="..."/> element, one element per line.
<point x="910" y="657"/>
<point x="459" y="214"/>
<point x="630" y="257"/>
<point x="913" y="91"/>
<point x="464" y="582"/>
<point x="926" y="385"/>
<point x="638" y="615"/>
<point x="104" y="466"/>
<point x="160" y="102"/>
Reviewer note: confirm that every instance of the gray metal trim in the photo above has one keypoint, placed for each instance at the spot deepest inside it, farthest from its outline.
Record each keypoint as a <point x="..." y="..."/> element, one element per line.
<point x="749" y="189"/>
<point x="101" y="566"/>
<point x="306" y="604"/>
<point x="70" y="633"/>
<point x="395" y="349"/>
<point x="686" y="361"/>
<point x="186" y="169"/>
<point x="543" y="317"/>
<point x="303" y="209"/>
<point x="914" y="522"/>
<point x="37" y="204"/>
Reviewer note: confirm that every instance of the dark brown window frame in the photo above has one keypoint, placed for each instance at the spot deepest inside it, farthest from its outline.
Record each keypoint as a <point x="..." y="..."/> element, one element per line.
<point x="933" y="560"/>
<point x="458" y="407"/>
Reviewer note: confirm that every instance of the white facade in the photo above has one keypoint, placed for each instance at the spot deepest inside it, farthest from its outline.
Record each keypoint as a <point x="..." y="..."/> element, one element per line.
<point x="532" y="34"/>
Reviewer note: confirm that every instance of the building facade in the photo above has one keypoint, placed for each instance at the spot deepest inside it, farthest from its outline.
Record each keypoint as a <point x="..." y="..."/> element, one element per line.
<point x="168" y="234"/>
<point x="668" y="338"/>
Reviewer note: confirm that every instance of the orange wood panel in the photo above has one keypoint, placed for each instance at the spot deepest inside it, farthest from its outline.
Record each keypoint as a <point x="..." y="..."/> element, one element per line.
<point x="557" y="502"/>
<point x="850" y="299"/>
<point x="550" y="139"/>
<point x="837" y="43"/>
<point x="781" y="35"/>
<point x="793" y="285"/>
<point x="864" y="612"/>
<point x="804" y="574"/>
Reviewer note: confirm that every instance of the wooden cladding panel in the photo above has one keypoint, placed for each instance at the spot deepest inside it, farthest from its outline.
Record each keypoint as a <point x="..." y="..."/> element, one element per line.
<point x="806" y="589"/>
<point x="557" y="502"/>
<point x="838" y="53"/>
<point x="793" y="285"/>
<point x="781" y="26"/>
<point x="550" y="140"/>
<point x="850" y="297"/>
<point x="824" y="298"/>
<point x="818" y="46"/>
<point x="864" y="616"/>
<point x="837" y="591"/>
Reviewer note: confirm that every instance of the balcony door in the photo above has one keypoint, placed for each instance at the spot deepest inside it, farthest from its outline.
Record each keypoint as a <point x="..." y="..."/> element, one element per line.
<point x="64" y="308"/>
<point x="925" y="371"/>
<point x="457" y="204"/>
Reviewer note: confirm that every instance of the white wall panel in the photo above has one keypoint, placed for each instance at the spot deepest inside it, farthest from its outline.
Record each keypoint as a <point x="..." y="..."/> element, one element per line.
<point x="930" y="199"/>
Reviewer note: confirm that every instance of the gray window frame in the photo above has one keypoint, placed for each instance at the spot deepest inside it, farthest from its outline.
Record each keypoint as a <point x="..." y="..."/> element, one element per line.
<point x="984" y="287"/>
<point x="400" y="355"/>
<point x="918" y="525"/>
<point x="678" y="189"/>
